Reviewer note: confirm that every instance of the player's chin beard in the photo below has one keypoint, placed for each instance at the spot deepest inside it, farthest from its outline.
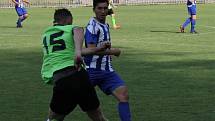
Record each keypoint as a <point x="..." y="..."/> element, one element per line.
<point x="102" y="19"/>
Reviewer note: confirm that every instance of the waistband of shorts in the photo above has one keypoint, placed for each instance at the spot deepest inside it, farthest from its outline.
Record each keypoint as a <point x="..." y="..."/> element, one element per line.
<point x="65" y="72"/>
<point x="69" y="68"/>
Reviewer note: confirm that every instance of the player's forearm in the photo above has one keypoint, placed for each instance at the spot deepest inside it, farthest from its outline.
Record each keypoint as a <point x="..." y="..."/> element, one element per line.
<point x="111" y="3"/>
<point x="91" y="51"/>
<point x="112" y="51"/>
<point x="78" y="40"/>
<point x="15" y="2"/>
<point x="26" y="1"/>
<point x="78" y="49"/>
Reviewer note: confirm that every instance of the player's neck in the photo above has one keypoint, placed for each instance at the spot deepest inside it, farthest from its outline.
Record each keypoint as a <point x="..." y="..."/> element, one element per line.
<point x="101" y="20"/>
<point x="58" y="24"/>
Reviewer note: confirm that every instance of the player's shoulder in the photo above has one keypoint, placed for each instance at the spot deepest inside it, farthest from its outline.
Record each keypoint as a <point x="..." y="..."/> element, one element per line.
<point x="93" y="24"/>
<point x="78" y="29"/>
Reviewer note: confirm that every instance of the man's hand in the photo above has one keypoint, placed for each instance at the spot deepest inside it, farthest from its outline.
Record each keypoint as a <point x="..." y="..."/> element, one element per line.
<point x="27" y="2"/>
<point x="105" y="45"/>
<point x="78" y="61"/>
<point x="116" y="52"/>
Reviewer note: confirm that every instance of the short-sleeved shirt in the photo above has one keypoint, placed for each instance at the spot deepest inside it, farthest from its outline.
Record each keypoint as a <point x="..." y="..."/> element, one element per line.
<point x="20" y="5"/>
<point x="190" y="3"/>
<point x="97" y="33"/>
<point x="99" y="68"/>
<point x="20" y="8"/>
<point x="191" y="7"/>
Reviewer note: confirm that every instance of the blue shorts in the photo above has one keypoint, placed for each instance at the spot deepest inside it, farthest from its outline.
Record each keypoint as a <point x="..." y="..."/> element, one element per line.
<point x="107" y="81"/>
<point x="192" y="10"/>
<point x="20" y="11"/>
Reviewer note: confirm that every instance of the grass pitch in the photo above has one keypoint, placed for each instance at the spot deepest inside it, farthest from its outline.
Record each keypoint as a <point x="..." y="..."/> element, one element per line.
<point x="170" y="75"/>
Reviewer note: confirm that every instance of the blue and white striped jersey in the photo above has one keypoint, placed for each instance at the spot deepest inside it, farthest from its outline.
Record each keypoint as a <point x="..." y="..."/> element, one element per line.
<point x="21" y="3"/>
<point x="190" y="3"/>
<point x="97" y="33"/>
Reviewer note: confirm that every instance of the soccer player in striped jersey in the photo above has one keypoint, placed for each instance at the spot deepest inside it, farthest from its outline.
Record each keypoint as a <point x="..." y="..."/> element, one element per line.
<point x="99" y="65"/>
<point x="21" y="11"/>
<point x="112" y="14"/>
<point x="191" y="6"/>
<point x="62" y="49"/>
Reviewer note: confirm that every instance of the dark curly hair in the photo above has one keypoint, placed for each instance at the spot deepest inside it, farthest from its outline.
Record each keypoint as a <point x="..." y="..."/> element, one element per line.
<point x="60" y="14"/>
<point x="95" y="2"/>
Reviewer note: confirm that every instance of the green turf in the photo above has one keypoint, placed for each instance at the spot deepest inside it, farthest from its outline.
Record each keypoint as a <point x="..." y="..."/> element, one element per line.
<point x="170" y="75"/>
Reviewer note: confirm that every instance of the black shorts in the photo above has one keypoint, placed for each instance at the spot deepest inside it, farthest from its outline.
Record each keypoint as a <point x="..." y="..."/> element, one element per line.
<point x="72" y="90"/>
<point x="110" y="11"/>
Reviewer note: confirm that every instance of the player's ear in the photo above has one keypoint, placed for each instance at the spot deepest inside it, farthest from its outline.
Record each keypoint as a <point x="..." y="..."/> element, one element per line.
<point x="71" y="20"/>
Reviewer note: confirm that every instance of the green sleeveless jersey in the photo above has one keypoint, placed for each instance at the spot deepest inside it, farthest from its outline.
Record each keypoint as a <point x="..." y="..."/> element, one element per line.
<point x="58" y="50"/>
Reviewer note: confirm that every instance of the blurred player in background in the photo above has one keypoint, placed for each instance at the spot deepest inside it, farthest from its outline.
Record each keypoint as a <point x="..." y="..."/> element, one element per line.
<point x="112" y="14"/>
<point x="99" y="64"/>
<point x="191" y="6"/>
<point x="62" y="66"/>
<point x="21" y="11"/>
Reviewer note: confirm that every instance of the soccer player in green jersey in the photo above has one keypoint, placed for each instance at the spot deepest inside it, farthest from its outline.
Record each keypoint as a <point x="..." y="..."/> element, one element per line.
<point x="62" y="66"/>
<point x="112" y="14"/>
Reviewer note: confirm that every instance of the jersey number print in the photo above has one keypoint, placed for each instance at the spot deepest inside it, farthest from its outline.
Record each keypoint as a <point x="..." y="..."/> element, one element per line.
<point x="58" y="44"/>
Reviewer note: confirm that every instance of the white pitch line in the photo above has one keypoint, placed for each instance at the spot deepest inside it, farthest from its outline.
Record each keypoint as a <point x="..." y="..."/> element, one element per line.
<point x="181" y="44"/>
<point x="181" y="35"/>
<point x="14" y="35"/>
<point x="188" y="35"/>
<point x="207" y="26"/>
<point x="190" y="45"/>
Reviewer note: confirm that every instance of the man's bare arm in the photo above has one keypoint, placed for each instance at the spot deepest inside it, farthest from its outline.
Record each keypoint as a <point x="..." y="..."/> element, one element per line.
<point x="103" y="50"/>
<point x="26" y="1"/>
<point x="14" y="1"/>
<point x="78" y="41"/>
